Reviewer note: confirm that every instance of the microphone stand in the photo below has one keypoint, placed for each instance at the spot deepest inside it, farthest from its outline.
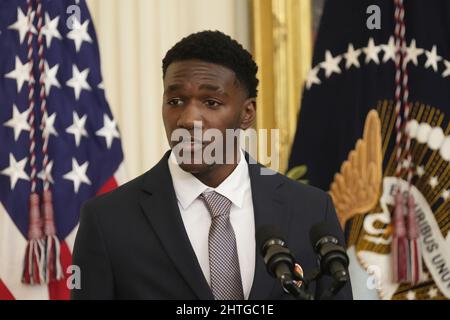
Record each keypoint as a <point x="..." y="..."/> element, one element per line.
<point x="298" y="287"/>
<point x="338" y="282"/>
<point x="297" y="292"/>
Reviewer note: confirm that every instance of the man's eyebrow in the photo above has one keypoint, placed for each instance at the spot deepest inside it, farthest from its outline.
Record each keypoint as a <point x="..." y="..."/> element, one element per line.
<point x="212" y="87"/>
<point x="173" y="87"/>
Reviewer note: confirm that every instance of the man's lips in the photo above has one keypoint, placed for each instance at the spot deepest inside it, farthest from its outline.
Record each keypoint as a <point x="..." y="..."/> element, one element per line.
<point x="191" y="146"/>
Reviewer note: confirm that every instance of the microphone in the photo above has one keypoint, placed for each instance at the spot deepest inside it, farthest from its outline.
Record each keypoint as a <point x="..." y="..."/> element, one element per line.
<point x="333" y="259"/>
<point x="279" y="261"/>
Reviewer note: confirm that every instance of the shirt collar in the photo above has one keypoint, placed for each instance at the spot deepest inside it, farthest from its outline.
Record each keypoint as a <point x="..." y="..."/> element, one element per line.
<point x="188" y="187"/>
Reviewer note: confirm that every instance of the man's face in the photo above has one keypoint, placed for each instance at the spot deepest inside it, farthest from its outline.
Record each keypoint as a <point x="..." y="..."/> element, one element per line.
<point x="206" y="93"/>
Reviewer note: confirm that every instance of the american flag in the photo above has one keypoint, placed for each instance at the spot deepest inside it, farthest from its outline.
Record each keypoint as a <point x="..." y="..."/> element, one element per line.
<point x="57" y="135"/>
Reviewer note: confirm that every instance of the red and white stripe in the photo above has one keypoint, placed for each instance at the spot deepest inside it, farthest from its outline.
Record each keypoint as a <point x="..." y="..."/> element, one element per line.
<point x="13" y="244"/>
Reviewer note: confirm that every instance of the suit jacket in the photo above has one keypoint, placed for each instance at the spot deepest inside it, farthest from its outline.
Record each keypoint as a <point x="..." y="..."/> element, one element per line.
<point x="132" y="244"/>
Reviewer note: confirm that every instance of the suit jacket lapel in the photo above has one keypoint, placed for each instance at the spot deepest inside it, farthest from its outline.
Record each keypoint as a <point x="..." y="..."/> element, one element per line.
<point x="269" y="208"/>
<point x="160" y="206"/>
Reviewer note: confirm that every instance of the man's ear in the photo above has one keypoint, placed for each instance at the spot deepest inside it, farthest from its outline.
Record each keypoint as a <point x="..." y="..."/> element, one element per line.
<point x="248" y="114"/>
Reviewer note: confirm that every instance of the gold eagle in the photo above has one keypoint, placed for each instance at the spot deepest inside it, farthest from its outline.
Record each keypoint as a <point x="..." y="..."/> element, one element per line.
<point x="356" y="188"/>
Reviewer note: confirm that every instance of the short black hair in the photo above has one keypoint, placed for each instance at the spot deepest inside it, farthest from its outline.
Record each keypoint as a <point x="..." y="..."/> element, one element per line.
<point x="219" y="48"/>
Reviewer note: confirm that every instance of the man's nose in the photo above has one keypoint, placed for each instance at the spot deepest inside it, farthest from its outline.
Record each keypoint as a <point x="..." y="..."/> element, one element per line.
<point x="191" y="113"/>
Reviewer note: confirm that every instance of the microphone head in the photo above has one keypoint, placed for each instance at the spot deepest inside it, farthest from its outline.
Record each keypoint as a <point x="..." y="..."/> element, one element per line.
<point x="320" y="230"/>
<point x="266" y="233"/>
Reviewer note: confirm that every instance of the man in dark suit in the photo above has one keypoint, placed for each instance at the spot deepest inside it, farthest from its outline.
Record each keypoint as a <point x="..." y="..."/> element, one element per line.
<point x="186" y="229"/>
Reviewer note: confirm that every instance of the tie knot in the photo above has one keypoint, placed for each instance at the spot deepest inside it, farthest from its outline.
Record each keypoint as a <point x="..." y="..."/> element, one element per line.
<point x="217" y="204"/>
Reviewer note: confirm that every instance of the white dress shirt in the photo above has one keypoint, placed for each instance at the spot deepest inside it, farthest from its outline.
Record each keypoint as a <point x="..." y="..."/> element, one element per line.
<point x="197" y="220"/>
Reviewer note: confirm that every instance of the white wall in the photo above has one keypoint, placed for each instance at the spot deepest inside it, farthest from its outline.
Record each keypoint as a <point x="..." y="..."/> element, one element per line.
<point x="134" y="36"/>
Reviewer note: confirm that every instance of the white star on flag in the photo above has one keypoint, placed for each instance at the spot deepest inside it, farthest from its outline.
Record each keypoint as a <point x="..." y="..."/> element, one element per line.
<point x="433" y="182"/>
<point x="19" y="122"/>
<point x="432" y="293"/>
<point x="420" y="171"/>
<point x="50" y="126"/>
<point x="108" y="131"/>
<point x="22" y="25"/>
<point x="412" y="52"/>
<point x="389" y="50"/>
<point x="50" y="29"/>
<point x="50" y="77"/>
<point x="371" y="52"/>
<point x="446" y="72"/>
<point x="78" y="174"/>
<point x="432" y="59"/>
<point x="48" y="173"/>
<point x="445" y="194"/>
<point x="331" y="64"/>
<point x="426" y="276"/>
<point x="411" y="295"/>
<point x="78" y="81"/>
<point x="406" y="163"/>
<point x="79" y="33"/>
<point x="21" y="73"/>
<point x="77" y="128"/>
<point x="16" y="170"/>
<point x="351" y="57"/>
<point x="312" y="78"/>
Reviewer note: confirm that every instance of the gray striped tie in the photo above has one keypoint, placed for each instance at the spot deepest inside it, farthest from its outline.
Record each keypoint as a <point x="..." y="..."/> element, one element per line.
<point x="226" y="283"/>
